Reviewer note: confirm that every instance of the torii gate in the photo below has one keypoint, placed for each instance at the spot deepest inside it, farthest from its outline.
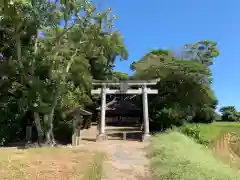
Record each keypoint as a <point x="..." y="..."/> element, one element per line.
<point x="104" y="90"/>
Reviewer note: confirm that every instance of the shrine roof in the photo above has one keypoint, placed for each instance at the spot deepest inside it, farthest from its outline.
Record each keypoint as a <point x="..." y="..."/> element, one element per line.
<point x="124" y="105"/>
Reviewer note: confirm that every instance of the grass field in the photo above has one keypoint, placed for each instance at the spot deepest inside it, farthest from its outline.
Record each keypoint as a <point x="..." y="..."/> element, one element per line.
<point x="214" y="130"/>
<point x="51" y="164"/>
<point x="175" y="156"/>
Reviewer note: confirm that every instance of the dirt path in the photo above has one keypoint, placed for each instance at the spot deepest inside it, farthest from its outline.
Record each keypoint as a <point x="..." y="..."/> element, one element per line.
<point x="126" y="160"/>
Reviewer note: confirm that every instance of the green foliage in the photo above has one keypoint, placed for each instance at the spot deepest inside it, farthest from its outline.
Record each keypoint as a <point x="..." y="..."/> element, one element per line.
<point x="184" y="90"/>
<point x="212" y="131"/>
<point x="49" y="73"/>
<point x="194" y="132"/>
<point x="218" y="117"/>
<point x="175" y="156"/>
<point x="203" y="51"/>
<point x="119" y="76"/>
<point x="63" y="131"/>
<point x="54" y="71"/>
<point x="229" y="113"/>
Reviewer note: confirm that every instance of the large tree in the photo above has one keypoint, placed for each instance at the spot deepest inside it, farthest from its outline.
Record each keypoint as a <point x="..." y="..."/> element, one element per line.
<point x="184" y="87"/>
<point x="229" y="113"/>
<point x="51" y="66"/>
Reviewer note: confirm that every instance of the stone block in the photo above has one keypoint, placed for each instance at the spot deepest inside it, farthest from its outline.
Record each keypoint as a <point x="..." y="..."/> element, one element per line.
<point x="101" y="137"/>
<point x="146" y="137"/>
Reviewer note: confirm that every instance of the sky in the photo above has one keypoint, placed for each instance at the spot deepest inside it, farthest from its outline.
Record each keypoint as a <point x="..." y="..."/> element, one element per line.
<point x="153" y="24"/>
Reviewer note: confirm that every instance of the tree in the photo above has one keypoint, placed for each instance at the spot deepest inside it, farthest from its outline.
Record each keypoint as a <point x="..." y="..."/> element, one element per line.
<point x="19" y="23"/>
<point x="119" y="75"/>
<point x="229" y="113"/>
<point x="184" y="89"/>
<point x="54" y="71"/>
<point x="85" y="39"/>
<point x="203" y="51"/>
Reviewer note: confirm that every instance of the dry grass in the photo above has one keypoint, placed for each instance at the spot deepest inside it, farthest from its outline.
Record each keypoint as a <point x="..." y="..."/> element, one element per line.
<point x="50" y="163"/>
<point x="95" y="170"/>
<point x="227" y="148"/>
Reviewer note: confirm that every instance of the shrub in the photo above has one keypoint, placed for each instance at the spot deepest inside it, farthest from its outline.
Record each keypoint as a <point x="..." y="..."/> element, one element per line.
<point x="194" y="133"/>
<point x="63" y="132"/>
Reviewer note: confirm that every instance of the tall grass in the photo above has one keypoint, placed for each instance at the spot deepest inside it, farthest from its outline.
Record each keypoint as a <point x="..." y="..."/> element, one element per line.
<point x="174" y="156"/>
<point x="212" y="131"/>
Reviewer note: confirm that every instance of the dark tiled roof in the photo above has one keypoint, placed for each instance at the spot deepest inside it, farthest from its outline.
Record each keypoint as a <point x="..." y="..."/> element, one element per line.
<point x="124" y="105"/>
<point x="78" y="110"/>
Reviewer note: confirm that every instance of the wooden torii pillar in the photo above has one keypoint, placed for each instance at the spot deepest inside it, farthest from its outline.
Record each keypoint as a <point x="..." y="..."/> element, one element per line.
<point x="144" y="91"/>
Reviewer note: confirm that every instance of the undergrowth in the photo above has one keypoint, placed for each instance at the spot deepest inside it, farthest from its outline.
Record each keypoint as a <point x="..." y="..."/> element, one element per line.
<point x="194" y="133"/>
<point x="209" y="132"/>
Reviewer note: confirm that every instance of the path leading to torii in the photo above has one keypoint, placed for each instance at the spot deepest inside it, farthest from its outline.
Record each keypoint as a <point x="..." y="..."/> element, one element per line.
<point x="126" y="160"/>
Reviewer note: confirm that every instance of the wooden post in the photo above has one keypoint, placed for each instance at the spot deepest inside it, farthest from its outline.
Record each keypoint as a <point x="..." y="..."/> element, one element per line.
<point x="78" y="137"/>
<point x="146" y="134"/>
<point x="74" y="132"/>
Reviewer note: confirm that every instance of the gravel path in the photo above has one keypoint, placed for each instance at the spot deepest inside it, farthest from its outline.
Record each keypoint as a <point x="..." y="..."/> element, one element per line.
<point x="126" y="160"/>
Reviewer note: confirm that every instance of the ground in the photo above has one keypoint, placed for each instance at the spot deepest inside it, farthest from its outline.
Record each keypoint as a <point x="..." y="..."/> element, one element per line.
<point x="223" y="138"/>
<point x="48" y="163"/>
<point x="171" y="156"/>
<point x="108" y="160"/>
<point x="177" y="157"/>
<point x="126" y="159"/>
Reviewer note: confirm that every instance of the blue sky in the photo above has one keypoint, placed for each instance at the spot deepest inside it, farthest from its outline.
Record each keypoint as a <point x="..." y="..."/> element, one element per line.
<point x="151" y="24"/>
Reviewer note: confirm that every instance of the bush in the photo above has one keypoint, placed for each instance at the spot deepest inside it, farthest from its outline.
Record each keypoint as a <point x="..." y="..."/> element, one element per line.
<point x="63" y="132"/>
<point x="174" y="156"/>
<point x="194" y="133"/>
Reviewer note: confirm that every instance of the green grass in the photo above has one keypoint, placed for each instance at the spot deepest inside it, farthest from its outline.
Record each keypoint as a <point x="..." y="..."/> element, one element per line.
<point x="174" y="156"/>
<point x="212" y="131"/>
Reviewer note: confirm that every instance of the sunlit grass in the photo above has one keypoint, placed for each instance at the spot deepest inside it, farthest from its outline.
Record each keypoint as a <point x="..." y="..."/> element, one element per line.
<point x="176" y="157"/>
<point x="214" y="130"/>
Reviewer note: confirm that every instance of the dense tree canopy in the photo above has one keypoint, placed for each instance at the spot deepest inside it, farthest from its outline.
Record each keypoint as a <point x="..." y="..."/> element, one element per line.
<point x="184" y="90"/>
<point x="229" y="113"/>
<point x="50" y="52"/>
<point x="49" y="66"/>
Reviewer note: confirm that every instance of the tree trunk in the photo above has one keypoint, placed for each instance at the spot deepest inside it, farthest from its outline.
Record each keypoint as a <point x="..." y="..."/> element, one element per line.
<point x="48" y="125"/>
<point x="37" y="121"/>
<point x="48" y="136"/>
<point x="50" y="118"/>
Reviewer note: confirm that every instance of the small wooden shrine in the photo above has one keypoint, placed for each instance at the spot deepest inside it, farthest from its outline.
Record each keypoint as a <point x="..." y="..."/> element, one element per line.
<point x="122" y="111"/>
<point x="79" y="122"/>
